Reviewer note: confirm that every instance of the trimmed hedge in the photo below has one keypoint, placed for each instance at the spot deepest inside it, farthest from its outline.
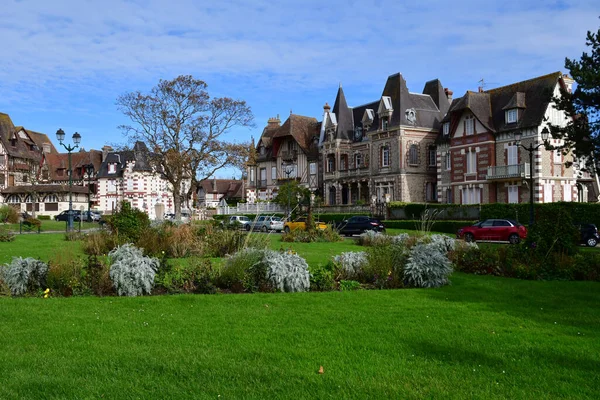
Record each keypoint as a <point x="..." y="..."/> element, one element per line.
<point x="580" y="212"/>
<point x="450" y="227"/>
<point x="332" y="217"/>
<point x="43" y="217"/>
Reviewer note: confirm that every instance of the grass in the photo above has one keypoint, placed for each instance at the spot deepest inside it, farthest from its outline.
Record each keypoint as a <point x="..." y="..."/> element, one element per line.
<point x="50" y="226"/>
<point x="482" y="337"/>
<point x="42" y="246"/>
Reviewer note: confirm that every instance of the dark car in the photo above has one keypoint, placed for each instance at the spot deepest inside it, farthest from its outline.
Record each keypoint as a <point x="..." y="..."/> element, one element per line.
<point x="90" y="216"/>
<point x="589" y="234"/>
<point x="359" y="224"/>
<point x="494" y="230"/>
<point x="64" y="216"/>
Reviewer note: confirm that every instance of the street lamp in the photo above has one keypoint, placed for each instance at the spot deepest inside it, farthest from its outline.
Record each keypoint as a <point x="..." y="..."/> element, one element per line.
<point x="531" y="148"/>
<point x="89" y="170"/>
<point x="60" y="135"/>
<point x="287" y="170"/>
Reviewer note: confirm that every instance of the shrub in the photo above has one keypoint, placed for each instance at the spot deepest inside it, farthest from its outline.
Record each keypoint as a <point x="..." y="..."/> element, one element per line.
<point x="372" y="238"/>
<point x="9" y="214"/>
<point x="33" y="222"/>
<point x="219" y="243"/>
<point x="128" y="223"/>
<point x="245" y="270"/>
<point x="553" y="231"/>
<point x="74" y="236"/>
<point x="384" y="267"/>
<point x="196" y="276"/>
<point x="66" y="274"/>
<point x="322" y="277"/>
<point x="351" y="264"/>
<point x="287" y="272"/>
<point x="44" y="217"/>
<point x="24" y="274"/>
<point x="315" y="235"/>
<point x="427" y="266"/>
<point x="97" y="277"/>
<point x="98" y="243"/>
<point x="468" y="257"/>
<point x="586" y="267"/>
<point x="131" y="272"/>
<point x="450" y="227"/>
<point x="6" y="235"/>
<point x="176" y="240"/>
<point x="349" y="285"/>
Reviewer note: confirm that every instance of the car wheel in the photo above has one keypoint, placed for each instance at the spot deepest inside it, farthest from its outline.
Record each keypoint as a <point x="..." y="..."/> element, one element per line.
<point x="264" y="229"/>
<point x="286" y="229"/>
<point x="591" y="242"/>
<point x="469" y="237"/>
<point x="248" y="227"/>
<point x="514" y="239"/>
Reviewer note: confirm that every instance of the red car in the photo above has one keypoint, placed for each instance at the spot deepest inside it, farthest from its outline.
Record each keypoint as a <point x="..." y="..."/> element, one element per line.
<point x="499" y="230"/>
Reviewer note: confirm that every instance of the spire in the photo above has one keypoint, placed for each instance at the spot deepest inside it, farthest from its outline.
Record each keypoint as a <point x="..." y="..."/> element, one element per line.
<point x="343" y="115"/>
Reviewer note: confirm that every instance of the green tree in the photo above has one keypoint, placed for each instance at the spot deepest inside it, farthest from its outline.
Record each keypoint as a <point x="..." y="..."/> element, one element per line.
<point x="581" y="134"/>
<point x="292" y="195"/>
<point x="184" y="129"/>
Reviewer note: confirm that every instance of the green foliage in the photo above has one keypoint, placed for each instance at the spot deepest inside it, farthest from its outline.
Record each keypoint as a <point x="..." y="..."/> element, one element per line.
<point x="553" y="231"/>
<point x="314" y="235"/>
<point x="8" y="214"/>
<point x="128" y="223"/>
<point x="443" y="226"/>
<point x="346" y="285"/>
<point x="372" y="238"/>
<point x="24" y="275"/>
<point x="174" y="240"/>
<point x="322" y="277"/>
<point x="384" y="267"/>
<point x="289" y="192"/>
<point x="132" y="273"/>
<point x="287" y="271"/>
<point x="98" y="243"/>
<point x="427" y="266"/>
<point x="44" y="217"/>
<point x="246" y="270"/>
<point x="6" y="235"/>
<point x="195" y="276"/>
<point x="580" y="212"/>
<point x="221" y="217"/>
<point x="66" y="274"/>
<point x="219" y="242"/>
<point x="350" y="264"/>
<point x="97" y="277"/>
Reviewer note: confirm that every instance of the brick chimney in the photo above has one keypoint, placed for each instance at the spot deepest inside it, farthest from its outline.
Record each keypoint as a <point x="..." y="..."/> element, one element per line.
<point x="273" y="123"/>
<point x="568" y="82"/>
<point x="449" y="94"/>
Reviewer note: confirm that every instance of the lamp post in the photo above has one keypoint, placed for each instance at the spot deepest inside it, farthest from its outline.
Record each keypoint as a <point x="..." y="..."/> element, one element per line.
<point x="531" y="148"/>
<point x="60" y="135"/>
<point x="89" y="170"/>
<point x="287" y="170"/>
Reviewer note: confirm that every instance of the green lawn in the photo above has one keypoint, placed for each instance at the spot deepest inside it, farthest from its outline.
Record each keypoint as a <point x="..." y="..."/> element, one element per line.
<point x="482" y="337"/>
<point x="50" y="226"/>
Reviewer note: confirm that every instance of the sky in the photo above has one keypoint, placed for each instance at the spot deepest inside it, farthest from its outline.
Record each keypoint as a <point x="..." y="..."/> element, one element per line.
<point x="65" y="62"/>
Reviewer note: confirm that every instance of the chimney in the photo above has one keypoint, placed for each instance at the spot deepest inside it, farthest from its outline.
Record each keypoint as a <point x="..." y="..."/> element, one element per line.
<point x="273" y="123"/>
<point x="568" y="83"/>
<point x="214" y="184"/>
<point x="105" y="151"/>
<point x="480" y="89"/>
<point x="326" y="108"/>
<point x="449" y="94"/>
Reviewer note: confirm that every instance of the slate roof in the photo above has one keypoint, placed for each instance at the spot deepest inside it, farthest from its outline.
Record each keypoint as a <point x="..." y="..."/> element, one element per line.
<point x="45" y="189"/>
<point x="343" y="114"/>
<point x="139" y="154"/>
<point x="78" y="161"/>
<point x="532" y="96"/>
<point x="301" y="128"/>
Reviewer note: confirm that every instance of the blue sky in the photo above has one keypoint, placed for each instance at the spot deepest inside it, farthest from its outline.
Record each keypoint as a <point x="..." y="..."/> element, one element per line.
<point x="65" y="62"/>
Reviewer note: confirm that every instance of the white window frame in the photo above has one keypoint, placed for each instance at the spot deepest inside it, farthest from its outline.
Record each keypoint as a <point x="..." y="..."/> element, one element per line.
<point x="357" y="160"/>
<point x="251" y="174"/>
<point x="567" y="192"/>
<point x="385" y="156"/>
<point x="469" y="125"/>
<point x="471" y="195"/>
<point x="448" y="161"/>
<point x="512" y="155"/>
<point x="449" y="199"/>
<point x="13" y="199"/>
<point x="312" y="168"/>
<point x="471" y="162"/>
<point x="511" y="116"/>
<point x="112" y="168"/>
<point x="273" y="173"/>
<point x="557" y="157"/>
<point x="446" y="128"/>
<point x="547" y="193"/>
<point x="513" y="194"/>
<point x="432" y="156"/>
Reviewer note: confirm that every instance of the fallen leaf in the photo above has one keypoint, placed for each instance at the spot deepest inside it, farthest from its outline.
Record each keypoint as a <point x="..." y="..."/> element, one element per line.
<point x="321" y="370"/>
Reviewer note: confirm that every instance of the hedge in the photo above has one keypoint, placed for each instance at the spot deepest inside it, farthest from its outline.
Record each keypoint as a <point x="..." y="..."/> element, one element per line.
<point x="580" y="212"/>
<point x="450" y="227"/>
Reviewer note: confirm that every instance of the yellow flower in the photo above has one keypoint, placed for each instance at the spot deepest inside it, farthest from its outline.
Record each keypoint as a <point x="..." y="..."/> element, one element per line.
<point x="47" y="291"/>
<point x="46" y="296"/>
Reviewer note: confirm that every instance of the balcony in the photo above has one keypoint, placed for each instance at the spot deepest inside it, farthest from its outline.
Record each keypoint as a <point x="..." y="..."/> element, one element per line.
<point x="507" y="172"/>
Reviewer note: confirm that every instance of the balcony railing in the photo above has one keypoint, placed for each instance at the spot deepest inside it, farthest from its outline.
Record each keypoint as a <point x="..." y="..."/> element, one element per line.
<point x="508" y="172"/>
<point x="289" y="155"/>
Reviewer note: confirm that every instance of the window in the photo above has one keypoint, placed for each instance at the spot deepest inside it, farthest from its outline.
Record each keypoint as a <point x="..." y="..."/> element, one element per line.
<point x="312" y="168"/>
<point x="51" y="198"/>
<point x="290" y="146"/>
<point x="330" y="163"/>
<point x="432" y="156"/>
<point x="413" y="154"/>
<point x="251" y="175"/>
<point x="261" y="150"/>
<point x="469" y="124"/>
<point x="343" y="162"/>
<point x="557" y="157"/>
<point x="471" y="196"/>
<point x="430" y="191"/>
<point x="385" y="156"/>
<point x="384" y="123"/>
<point x="25" y="178"/>
<point x="511" y="155"/>
<point x="273" y="173"/>
<point x="263" y="176"/>
<point x="112" y="168"/>
<point x="547" y="193"/>
<point x="45" y="175"/>
<point x="568" y="193"/>
<point x="13" y="198"/>
<point x="2" y="179"/>
<point x="513" y="194"/>
<point x="2" y="159"/>
<point x="358" y="160"/>
<point x="471" y="162"/>
<point x="511" y="116"/>
<point x="358" y="134"/>
<point x="448" y="161"/>
<point x="449" y="196"/>
<point x="446" y="128"/>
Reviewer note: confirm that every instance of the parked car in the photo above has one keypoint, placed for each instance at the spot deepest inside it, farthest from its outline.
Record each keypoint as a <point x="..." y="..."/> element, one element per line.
<point x="64" y="216"/>
<point x="265" y="223"/>
<point x="359" y="224"/>
<point x="300" y="223"/>
<point x="497" y="230"/>
<point x="236" y="221"/>
<point x="185" y="216"/>
<point x="589" y="234"/>
<point x="90" y="216"/>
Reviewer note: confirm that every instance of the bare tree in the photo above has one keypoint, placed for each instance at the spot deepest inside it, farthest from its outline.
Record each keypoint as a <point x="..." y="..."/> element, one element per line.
<point x="184" y="128"/>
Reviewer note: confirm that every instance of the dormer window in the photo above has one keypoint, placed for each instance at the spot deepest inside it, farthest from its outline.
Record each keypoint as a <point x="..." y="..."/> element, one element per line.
<point x="261" y="150"/>
<point x="384" y="123"/>
<point x="112" y="168"/>
<point x="469" y="124"/>
<point x="446" y="128"/>
<point x="511" y="116"/>
<point x="358" y="134"/>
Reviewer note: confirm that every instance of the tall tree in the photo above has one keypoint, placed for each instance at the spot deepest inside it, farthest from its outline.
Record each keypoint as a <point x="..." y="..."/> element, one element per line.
<point x="184" y="128"/>
<point x="581" y="134"/>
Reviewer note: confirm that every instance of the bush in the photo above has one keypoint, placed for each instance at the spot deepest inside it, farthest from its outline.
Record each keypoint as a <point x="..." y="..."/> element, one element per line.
<point x="97" y="277"/>
<point x="24" y="275"/>
<point x="128" y="223"/>
<point x="450" y="227"/>
<point x="74" y="236"/>
<point x="98" y="243"/>
<point x="287" y="271"/>
<point x="427" y="266"/>
<point x="350" y="264"/>
<point x="372" y="238"/>
<point x="6" y="235"/>
<point x="33" y="222"/>
<point x="245" y="270"/>
<point x="196" y="276"/>
<point x="316" y="235"/>
<point x="322" y="277"/>
<point x="553" y="231"/>
<point x="220" y="243"/>
<point x="8" y="214"/>
<point x="175" y="240"/>
<point x="384" y="267"/>
<point x="66" y="274"/>
<point x="44" y="217"/>
<point x="132" y="273"/>
<point x="349" y="285"/>
<point x="470" y="258"/>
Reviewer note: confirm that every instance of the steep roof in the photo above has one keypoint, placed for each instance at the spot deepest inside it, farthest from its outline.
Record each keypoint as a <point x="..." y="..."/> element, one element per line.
<point x="45" y="189"/>
<point x="344" y="117"/>
<point x="140" y="155"/>
<point x="230" y="188"/>
<point x="19" y="147"/>
<point x="78" y="161"/>
<point x="302" y="129"/>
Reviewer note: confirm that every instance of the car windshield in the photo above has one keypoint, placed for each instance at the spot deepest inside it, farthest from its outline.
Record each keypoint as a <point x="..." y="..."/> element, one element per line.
<point x="276" y="219"/>
<point x="244" y="219"/>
